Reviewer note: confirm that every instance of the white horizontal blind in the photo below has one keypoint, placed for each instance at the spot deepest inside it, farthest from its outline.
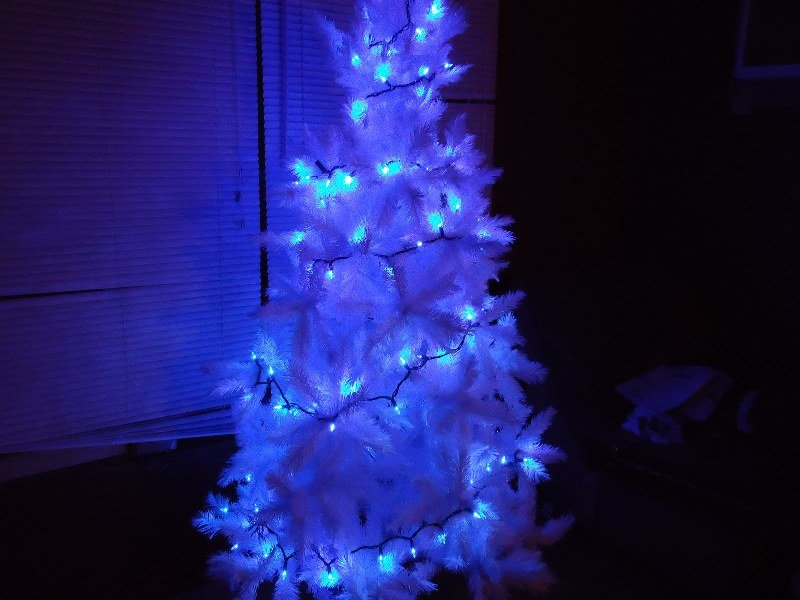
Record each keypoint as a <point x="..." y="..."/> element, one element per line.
<point x="300" y="87"/>
<point x="129" y="204"/>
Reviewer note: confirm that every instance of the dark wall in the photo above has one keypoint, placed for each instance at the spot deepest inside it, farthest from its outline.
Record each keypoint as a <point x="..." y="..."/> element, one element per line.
<point x="636" y="190"/>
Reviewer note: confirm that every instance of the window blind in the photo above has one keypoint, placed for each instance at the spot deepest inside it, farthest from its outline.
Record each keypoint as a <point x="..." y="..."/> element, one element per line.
<point x="130" y="197"/>
<point x="129" y="205"/>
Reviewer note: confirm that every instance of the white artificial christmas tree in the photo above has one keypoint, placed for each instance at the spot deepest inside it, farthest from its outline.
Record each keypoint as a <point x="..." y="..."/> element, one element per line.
<point x="386" y="436"/>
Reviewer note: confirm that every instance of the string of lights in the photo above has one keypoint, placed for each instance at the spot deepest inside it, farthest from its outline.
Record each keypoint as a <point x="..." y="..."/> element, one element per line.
<point x="390" y="87"/>
<point x="331" y="418"/>
<point x="330" y="262"/>
<point x="260" y="525"/>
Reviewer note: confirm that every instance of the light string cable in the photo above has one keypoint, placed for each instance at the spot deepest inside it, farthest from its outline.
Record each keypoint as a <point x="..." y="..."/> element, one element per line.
<point x="330" y="418"/>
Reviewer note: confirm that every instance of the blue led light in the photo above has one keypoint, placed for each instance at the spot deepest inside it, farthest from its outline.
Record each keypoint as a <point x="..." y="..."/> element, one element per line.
<point x="436" y="11"/>
<point x="248" y="478"/>
<point x="383" y="71"/>
<point x="348" y="389"/>
<point x="224" y="510"/>
<point x="420" y="34"/>
<point x="469" y="314"/>
<point x="423" y="70"/>
<point x="413" y="552"/>
<point x="329" y="579"/>
<point x="355" y="60"/>
<point x="359" y="235"/>
<point x="234" y="547"/>
<point x="393" y="167"/>
<point x="330" y="274"/>
<point x="332" y="427"/>
<point x="454" y="202"/>
<point x="302" y="170"/>
<point x="283" y="574"/>
<point x="441" y="538"/>
<point x="297" y="237"/>
<point x="419" y="243"/>
<point x="357" y="110"/>
<point x="405" y="356"/>
<point x="386" y="563"/>
<point x="436" y="220"/>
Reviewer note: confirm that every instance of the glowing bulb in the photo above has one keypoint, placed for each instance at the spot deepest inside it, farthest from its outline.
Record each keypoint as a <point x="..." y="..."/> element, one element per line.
<point x="469" y="314"/>
<point x="329" y="274"/>
<point x="224" y="510"/>
<point x="332" y="427"/>
<point x="383" y="71"/>
<point x="488" y="468"/>
<point x="476" y="514"/>
<point x="436" y="11"/>
<point x="302" y="170"/>
<point x="441" y="538"/>
<point x="420" y="34"/>
<point x="357" y="110"/>
<point x="419" y="243"/>
<point x="248" y="478"/>
<point x="393" y="167"/>
<point x="454" y="202"/>
<point x="405" y="356"/>
<point x="283" y="574"/>
<point x="348" y="180"/>
<point x="253" y="355"/>
<point x="359" y="235"/>
<point x="397" y="409"/>
<point x="413" y="552"/>
<point x="348" y="389"/>
<point x="297" y="237"/>
<point x="271" y="371"/>
<point x="330" y="578"/>
<point x="436" y="220"/>
<point x="503" y="460"/>
<point x="255" y="508"/>
<point x="423" y="70"/>
<point x="355" y="60"/>
<point x="234" y="547"/>
<point x="448" y="65"/>
<point x="386" y="562"/>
